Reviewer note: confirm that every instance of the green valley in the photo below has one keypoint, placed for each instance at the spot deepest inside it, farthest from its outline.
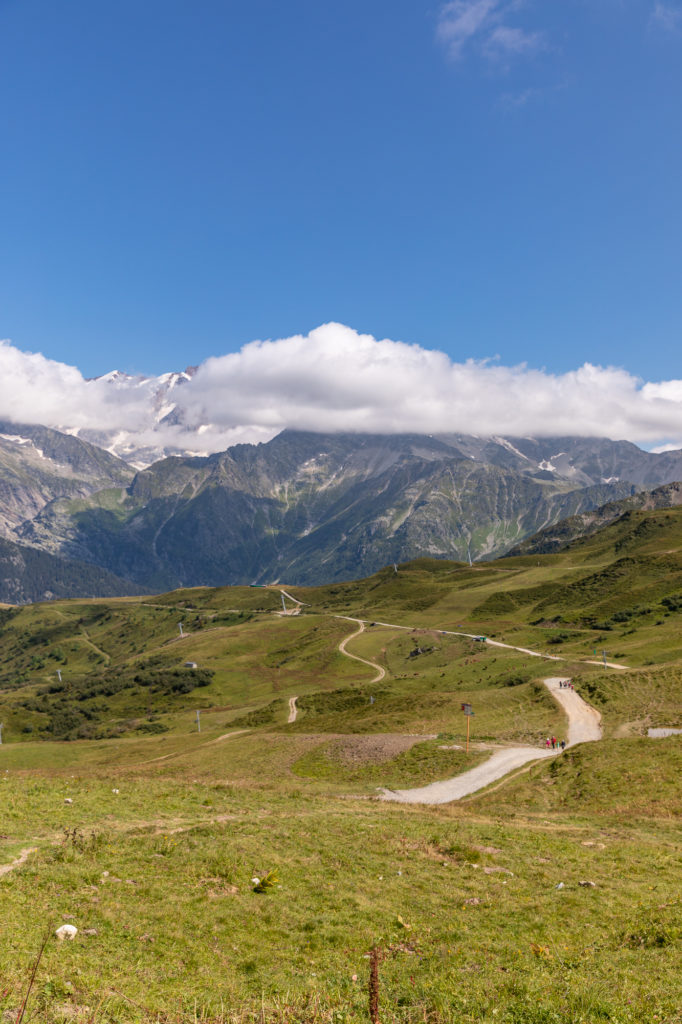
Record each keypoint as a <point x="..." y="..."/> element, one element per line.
<point x="200" y="739"/>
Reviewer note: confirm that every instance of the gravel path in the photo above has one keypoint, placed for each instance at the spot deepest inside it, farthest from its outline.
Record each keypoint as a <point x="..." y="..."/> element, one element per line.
<point x="494" y="643"/>
<point x="380" y="672"/>
<point x="501" y="763"/>
<point x="583" y="726"/>
<point x="293" y="710"/>
<point x="584" y="723"/>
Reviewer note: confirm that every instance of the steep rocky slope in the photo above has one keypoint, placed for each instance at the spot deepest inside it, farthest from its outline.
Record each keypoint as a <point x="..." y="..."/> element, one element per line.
<point x="38" y="465"/>
<point x="308" y="508"/>
<point x="558" y="535"/>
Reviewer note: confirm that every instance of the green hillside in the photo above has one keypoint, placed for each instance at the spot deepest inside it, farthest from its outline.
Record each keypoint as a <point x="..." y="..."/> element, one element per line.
<point x="552" y="897"/>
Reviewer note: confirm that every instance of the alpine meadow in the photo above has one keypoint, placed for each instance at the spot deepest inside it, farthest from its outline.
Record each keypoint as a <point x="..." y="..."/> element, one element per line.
<point x="201" y="782"/>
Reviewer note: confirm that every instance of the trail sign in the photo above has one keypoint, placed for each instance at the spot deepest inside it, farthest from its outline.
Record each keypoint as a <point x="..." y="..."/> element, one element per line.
<point x="468" y="711"/>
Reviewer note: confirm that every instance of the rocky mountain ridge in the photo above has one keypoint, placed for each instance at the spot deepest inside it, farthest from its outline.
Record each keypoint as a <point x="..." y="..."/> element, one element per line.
<point x="311" y="508"/>
<point x="557" y="536"/>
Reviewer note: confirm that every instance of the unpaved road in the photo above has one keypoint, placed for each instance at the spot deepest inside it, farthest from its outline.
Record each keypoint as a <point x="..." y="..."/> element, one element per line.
<point x="583" y="726"/>
<point x="293" y="710"/>
<point x="491" y="643"/>
<point x="380" y="672"/>
<point x="501" y="763"/>
<point x="584" y="722"/>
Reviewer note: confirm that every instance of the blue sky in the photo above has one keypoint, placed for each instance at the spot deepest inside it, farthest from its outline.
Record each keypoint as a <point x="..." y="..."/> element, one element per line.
<point x="484" y="177"/>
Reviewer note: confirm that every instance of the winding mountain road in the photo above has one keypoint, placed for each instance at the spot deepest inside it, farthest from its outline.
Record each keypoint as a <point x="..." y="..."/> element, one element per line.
<point x="381" y="672"/>
<point x="489" y="642"/>
<point x="583" y="727"/>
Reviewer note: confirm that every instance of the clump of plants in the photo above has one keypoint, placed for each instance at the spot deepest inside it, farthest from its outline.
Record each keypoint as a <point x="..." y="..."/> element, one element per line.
<point x="263" y="884"/>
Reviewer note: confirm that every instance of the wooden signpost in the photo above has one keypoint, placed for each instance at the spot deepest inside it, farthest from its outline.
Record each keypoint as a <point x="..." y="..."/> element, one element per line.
<point x="468" y="711"/>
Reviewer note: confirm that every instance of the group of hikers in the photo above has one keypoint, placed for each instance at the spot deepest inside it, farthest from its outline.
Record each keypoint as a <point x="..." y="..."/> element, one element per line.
<point x="553" y="742"/>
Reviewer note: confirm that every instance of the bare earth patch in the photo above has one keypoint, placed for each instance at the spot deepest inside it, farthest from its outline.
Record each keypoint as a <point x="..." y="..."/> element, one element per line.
<point x="357" y="750"/>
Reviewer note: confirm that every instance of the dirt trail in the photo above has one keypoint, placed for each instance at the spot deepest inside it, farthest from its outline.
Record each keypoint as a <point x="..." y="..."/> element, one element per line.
<point x="86" y="637"/>
<point x="183" y="752"/>
<point x="293" y="710"/>
<point x="21" y="859"/>
<point x="381" y="672"/>
<point x="227" y="736"/>
<point x="301" y="604"/>
<point x="492" y="643"/>
<point x="296" y="610"/>
<point x="583" y="726"/>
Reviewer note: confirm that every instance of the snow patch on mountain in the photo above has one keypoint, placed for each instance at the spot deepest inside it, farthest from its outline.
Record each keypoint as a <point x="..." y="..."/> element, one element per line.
<point x="25" y="442"/>
<point x="510" y="447"/>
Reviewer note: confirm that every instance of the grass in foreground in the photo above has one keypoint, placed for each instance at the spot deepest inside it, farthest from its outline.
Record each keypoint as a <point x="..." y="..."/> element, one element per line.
<point x="463" y="898"/>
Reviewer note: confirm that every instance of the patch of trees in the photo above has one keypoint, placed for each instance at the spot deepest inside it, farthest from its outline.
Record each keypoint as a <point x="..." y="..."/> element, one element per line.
<point x="113" y="681"/>
<point x="73" y="711"/>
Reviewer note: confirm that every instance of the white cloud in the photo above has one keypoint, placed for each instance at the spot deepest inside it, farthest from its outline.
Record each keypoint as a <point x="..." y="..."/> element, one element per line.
<point x="666" y="17"/>
<point x="505" y="42"/>
<point x="482" y="24"/>
<point x="461" y="20"/>
<point x="335" y="379"/>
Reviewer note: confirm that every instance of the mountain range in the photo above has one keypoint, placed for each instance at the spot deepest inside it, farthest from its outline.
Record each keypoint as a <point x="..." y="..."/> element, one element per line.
<point x="302" y="508"/>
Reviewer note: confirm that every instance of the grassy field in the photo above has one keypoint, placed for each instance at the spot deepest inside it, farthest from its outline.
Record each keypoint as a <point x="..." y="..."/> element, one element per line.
<point x="463" y="899"/>
<point x="147" y="836"/>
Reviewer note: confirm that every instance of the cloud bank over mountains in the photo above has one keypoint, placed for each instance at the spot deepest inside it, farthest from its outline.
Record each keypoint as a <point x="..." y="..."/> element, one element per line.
<point x="334" y="379"/>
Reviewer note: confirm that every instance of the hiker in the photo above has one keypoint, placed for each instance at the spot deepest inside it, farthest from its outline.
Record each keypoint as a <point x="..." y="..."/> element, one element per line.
<point x="547" y="742"/>
<point x="553" y="742"/>
<point x="563" y="744"/>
